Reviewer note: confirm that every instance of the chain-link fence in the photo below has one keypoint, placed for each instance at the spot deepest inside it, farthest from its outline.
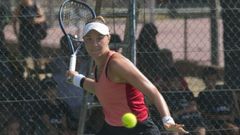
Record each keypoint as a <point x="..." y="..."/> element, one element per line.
<point x="187" y="48"/>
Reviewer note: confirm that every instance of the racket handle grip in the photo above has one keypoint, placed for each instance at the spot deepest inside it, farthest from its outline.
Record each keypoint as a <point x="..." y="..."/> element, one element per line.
<point x="72" y="64"/>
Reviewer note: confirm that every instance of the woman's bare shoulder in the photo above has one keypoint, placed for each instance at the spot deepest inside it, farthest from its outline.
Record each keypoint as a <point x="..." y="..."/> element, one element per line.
<point x="118" y="58"/>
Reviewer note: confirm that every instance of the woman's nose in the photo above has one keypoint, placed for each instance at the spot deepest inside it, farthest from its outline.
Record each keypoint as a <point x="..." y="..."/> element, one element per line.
<point x="95" y="43"/>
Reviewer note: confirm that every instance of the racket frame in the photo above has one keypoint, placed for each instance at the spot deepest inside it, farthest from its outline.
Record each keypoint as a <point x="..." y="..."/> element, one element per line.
<point x="73" y="58"/>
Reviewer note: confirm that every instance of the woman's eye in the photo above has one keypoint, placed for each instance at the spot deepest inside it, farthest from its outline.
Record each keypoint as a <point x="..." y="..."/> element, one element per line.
<point x="100" y="37"/>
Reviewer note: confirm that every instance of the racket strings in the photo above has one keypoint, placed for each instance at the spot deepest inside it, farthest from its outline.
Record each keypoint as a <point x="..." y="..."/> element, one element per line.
<point x="75" y="16"/>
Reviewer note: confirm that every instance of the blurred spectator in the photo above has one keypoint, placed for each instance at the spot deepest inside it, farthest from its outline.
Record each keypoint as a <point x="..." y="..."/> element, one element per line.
<point x="12" y="126"/>
<point x="28" y="14"/>
<point x="210" y="76"/>
<point x="182" y="103"/>
<point x="73" y="96"/>
<point x="17" y="71"/>
<point x="5" y="14"/>
<point x="147" y="38"/>
<point x="4" y="53"/>
<point x="152" y="60"/>
<point x="54" y="113"/>
<point x="95" y="120"/>
<point x="217" y="105"/>
<point x="184" y="108"/>
<point x="170" y="79"/>
<point x="115" y="42"/>
<point x="17" y="86"/>
<point x="5" y="69"/>
<point x="148" y="60"/>
<point x="24" y="92"/>
<point x="166" y="56"/>
<point x="11" y="82"/>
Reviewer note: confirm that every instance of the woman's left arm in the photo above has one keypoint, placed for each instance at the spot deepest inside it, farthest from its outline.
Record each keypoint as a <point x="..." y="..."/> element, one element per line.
<point x="124" y="71"/>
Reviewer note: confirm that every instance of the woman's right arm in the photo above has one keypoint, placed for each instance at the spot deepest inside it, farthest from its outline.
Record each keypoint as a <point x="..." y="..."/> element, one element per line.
<point x="88" y="84"/>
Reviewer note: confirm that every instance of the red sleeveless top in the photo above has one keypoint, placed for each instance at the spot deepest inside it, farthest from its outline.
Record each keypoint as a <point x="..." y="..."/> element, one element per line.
<point x="119" y="98"/>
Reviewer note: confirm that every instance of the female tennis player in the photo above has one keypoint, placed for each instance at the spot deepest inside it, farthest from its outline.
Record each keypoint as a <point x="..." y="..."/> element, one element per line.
<point x="119" y="86"/>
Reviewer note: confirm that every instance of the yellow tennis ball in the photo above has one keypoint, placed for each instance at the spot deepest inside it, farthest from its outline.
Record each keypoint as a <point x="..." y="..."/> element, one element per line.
<point x="129" y="120"/>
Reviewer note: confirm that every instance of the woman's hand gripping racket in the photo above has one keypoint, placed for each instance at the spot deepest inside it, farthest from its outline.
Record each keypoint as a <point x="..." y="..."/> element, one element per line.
<point x="73" y="15"/>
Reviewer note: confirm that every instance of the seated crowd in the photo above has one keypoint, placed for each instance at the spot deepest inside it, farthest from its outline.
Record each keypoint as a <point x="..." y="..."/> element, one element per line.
<point x="213" y="111"/>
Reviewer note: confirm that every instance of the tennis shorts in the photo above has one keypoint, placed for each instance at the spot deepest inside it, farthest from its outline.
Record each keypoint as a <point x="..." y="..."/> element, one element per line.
<point x="146" y="127"/>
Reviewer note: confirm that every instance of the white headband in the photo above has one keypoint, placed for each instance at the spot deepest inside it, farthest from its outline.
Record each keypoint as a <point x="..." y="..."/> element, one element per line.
<point x="99" y="27"/>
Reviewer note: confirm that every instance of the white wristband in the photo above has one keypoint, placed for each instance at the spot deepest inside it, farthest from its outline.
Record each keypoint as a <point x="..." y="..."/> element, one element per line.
<point x="77" y="79"/>
<point x="168" y="120"/>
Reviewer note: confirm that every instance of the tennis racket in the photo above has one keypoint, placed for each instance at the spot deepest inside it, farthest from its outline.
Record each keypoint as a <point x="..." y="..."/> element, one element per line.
<point x="73" y="15"/>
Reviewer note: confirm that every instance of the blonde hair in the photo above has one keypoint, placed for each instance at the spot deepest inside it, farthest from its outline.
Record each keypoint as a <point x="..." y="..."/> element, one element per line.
<point x="99" y="19"/>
